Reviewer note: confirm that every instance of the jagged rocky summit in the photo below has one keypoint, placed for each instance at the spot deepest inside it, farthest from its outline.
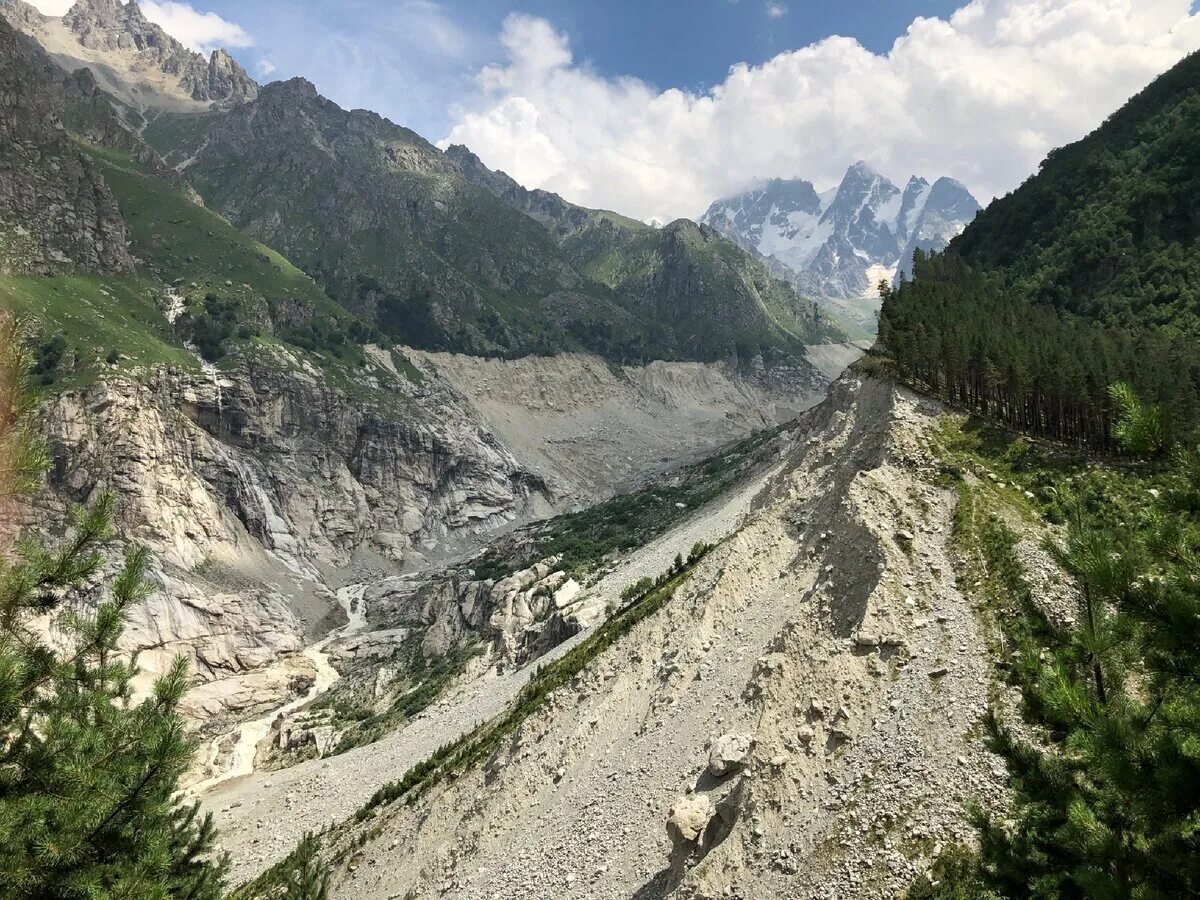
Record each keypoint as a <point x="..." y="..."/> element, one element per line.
<point x="133" y="58"/>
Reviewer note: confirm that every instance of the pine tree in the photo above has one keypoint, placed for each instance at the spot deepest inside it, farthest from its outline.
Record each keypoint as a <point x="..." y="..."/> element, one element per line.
<point x="307" y="876"/>
<point x="1141" y="428"/>
<point x="302" y="874"/>
<point x="89" y="778"/>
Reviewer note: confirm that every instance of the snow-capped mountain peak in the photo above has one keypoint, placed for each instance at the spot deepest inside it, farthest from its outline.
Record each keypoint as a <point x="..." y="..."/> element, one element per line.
<point x="838" y="243"/>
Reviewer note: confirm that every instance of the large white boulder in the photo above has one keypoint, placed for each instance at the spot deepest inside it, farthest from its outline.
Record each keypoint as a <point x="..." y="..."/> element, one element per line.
<point x="688" y="818"/>
<point x="728" y="754"/>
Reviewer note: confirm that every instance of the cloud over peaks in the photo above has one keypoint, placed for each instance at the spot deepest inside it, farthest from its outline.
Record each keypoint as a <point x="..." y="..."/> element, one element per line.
<point x="981" y="96"/>
<point x="200" y="31"/>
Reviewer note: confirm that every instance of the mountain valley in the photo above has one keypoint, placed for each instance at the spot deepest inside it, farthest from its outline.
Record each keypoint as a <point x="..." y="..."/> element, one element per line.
<point x="451" y="539"/>
<point x="265" y="455"/>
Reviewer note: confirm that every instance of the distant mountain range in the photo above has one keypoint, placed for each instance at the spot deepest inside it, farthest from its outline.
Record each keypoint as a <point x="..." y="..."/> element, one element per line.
<point x="840" y="243"/>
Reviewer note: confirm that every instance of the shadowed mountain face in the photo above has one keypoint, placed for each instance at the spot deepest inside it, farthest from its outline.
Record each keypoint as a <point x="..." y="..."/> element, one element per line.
<point x="56" y="212"/>
<point x="442" y="253"/>
<point x="838" y="244"/>
<point x="688" y="276"/>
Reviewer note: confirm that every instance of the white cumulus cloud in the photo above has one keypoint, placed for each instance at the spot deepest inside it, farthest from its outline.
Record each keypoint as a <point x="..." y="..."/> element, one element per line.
<point x="981" y="96"/>
<point x="201" y="31"/>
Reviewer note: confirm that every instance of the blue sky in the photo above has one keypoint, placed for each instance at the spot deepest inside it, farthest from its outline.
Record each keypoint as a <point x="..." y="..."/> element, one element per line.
<point x="655" y="108"/>
<point x="395" y="69"/>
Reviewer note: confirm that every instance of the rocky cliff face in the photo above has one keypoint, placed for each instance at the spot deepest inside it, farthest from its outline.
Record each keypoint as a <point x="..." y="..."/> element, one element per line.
<point x="517" y="618"/>
<point x="271" y="451"/>
<point x="250" y="484"/>
<point x="224" y="80"/>
<point x="113" y="27"/>
<point x="55" y="209"/>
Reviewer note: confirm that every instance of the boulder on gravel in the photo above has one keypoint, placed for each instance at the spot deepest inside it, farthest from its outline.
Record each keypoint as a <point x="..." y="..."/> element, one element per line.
<point x="687" y="820"/>
<point x="728" y="754"/>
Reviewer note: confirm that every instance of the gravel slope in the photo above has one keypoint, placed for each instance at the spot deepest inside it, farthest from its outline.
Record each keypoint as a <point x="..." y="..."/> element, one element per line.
<point x="828" y="629"/>
<point x="260" y="817"/>
<point x="590" y="429"/>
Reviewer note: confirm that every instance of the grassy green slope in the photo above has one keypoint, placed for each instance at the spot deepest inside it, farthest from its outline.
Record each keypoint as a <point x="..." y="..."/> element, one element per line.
<point x="228" y="287"/>
<point x="208" y="262"/>
<point x="180" y="240"/>
<point x="98" y="315"/>
<point x="168" y="132"/>
<point x="440" y="252"/>
<point x="700" y="295"/>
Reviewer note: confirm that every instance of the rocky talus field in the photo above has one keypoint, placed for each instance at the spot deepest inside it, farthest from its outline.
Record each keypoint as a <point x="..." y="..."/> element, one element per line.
<point x="799" y="719"/>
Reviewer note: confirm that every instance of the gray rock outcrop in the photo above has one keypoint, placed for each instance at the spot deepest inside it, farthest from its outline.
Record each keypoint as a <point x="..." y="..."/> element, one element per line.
<point x="134" y="58"/>
<point x="518" y="617"/>
<point x="270" y="451"/>
<point x="728" y="754"/>
<point x="121" y="28"/>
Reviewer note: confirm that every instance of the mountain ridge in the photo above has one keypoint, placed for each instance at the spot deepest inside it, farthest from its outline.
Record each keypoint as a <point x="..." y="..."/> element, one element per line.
<point x="430" y="247"/>
<point x="453" y="256"/>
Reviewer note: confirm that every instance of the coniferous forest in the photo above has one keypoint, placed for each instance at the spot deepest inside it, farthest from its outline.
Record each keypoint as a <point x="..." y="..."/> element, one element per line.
<point x="966" y="334"/>
<point x="1086" y="275"/>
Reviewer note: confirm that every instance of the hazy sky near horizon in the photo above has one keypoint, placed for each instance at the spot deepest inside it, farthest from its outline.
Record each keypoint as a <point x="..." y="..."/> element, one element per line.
<point x="656" y="107"/>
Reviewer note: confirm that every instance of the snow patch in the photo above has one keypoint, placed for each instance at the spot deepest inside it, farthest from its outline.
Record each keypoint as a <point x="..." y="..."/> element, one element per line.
<point x="876" y="274"/>
<point x="888" y="212"/>
<point x="918" y="209"/>
<point x="798" y="244"/>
